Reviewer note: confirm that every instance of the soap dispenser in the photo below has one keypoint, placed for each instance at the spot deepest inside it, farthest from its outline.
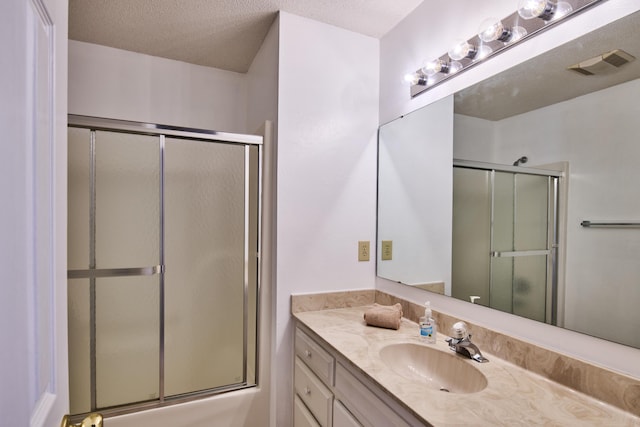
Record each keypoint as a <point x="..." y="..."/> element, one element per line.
<point x="427" y="325"/>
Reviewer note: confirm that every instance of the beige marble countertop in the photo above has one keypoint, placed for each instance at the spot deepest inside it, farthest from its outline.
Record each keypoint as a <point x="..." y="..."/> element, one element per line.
<point x="513" y="396"/>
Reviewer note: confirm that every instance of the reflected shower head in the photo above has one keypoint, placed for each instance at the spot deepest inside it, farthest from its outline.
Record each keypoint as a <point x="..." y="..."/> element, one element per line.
<point x="520" y="161"/>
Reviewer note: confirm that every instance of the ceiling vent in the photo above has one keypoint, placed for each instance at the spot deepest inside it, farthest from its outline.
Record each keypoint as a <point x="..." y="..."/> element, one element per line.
<point x="603" y="64"/>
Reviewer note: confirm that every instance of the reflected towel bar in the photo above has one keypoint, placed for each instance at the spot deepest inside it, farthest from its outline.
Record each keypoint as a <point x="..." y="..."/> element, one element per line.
<point x="114" y="272"/>
<point x="611" y="224"/>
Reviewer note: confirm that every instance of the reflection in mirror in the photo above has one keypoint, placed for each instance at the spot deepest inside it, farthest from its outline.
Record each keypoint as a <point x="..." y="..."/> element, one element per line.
<point x="414" y="153"/>
<point x="579" y="126"/>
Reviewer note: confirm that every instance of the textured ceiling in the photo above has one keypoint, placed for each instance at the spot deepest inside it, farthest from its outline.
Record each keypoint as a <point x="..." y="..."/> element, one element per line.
<point x="224" y="34"/>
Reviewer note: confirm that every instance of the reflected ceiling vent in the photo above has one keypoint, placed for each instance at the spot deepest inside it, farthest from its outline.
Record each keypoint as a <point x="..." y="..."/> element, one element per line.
<point x="603" y="64"/>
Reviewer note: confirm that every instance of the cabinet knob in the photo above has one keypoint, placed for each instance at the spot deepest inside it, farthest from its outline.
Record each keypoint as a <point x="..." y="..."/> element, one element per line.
<point x="308" y="354"/>
<point x="307" y="391"/>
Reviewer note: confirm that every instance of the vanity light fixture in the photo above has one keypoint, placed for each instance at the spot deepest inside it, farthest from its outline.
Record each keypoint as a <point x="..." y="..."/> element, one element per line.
<point x="494" y="36"/>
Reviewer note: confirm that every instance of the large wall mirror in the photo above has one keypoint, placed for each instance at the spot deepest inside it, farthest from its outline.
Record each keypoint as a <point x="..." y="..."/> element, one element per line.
<point x="545" y="210"/>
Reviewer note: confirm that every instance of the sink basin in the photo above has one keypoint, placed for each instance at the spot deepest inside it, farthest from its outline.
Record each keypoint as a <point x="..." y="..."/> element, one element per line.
<point x="439" y="370"/>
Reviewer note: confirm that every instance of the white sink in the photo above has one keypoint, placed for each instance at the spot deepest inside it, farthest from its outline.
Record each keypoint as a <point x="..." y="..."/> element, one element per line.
<point x="438" y="369"/>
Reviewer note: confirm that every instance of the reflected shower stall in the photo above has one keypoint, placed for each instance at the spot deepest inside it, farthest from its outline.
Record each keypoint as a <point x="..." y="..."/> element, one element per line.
<point x="163" y="259"/>
<point x="505" y="238"/>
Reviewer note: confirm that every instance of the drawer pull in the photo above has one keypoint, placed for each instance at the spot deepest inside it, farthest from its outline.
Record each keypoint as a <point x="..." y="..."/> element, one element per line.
<point x="307" y="391"/>
<point x="308" y="354"/>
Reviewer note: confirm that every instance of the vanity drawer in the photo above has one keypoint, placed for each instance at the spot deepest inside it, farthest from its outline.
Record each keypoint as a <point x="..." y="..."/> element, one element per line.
<point x="315" y="395"/>
<point x="316" y="358"/>
<point x="358" y="399"/>
<point x="301" y="415"/>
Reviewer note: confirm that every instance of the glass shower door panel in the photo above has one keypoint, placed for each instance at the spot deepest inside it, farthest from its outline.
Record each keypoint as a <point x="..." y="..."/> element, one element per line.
<point x="78" y="259"/>
<point x="502" y="284"/>
<point x="205" y="265"/>
<point x="471" y="234"/>
<point x="79" y="345"/>
<point x="127" y="200"/>
<point x="531" y="233"/>
<point x="78" y="198"/>
<point x="502" y="241"/>
<point x="127" y="340"/>
<point x="531" y="216"/>
<point x="127" y="197"/>
<point x="503" y="212"/>
<point x="530" y="287"/>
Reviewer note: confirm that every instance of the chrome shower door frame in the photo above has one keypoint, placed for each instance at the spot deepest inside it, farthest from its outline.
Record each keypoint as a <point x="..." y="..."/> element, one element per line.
<point x="94" y="124"/>
<point x="553" y="234"/>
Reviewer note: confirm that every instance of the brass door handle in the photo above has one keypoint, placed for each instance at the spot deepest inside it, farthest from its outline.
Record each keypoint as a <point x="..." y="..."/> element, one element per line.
<point x="91" y="420"/>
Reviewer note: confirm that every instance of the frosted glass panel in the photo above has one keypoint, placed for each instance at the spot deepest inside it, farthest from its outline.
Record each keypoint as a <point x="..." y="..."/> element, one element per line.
<point x="127" y="340"/>
<point x="530" y="287"/>
<point x="204" y="258"/>
<point x="471" y="234"/>
<point x="531" y="212"/>
<point x="503" y="211"/>
<point x="502" y="284"/>
<point x="127" y="200"/>
<point x="79" y="346"/>
<point x="78" y="198"/>
<point x="252" y="267"/>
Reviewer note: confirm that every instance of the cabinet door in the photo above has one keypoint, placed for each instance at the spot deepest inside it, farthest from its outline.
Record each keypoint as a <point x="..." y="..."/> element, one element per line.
<point x="342" y="417"/>
<point x="370" y="410"/>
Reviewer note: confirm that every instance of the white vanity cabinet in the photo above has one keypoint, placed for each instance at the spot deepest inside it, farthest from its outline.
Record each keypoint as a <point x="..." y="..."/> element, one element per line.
<point x="329" y="393"/>
<point x="312" y="379"/>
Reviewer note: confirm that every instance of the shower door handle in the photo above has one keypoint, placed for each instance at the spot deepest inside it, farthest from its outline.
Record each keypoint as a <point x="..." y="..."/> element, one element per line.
<point x="115" y="272"/>
<point x="511" y="254"/>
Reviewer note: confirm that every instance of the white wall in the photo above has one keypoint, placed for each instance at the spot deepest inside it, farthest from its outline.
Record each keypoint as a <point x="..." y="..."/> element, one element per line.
<point x="118" y="84"/>
<point x="327" y="123"/>
<point x="425" y="35"/>
<point x="262" y="82"/>
<point x="601" y="268"/>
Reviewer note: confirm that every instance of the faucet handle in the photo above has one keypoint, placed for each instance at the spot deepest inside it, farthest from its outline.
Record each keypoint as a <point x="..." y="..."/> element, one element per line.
<point x="459" y="330"/>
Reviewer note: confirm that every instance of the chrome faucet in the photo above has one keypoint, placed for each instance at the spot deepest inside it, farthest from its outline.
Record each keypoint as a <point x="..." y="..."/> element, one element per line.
<point x="460" y="342"/>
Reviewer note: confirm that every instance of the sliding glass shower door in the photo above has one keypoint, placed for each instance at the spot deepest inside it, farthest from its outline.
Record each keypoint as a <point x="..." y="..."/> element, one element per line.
<point x="504" y="240"/>
<point x="163" y="265"/>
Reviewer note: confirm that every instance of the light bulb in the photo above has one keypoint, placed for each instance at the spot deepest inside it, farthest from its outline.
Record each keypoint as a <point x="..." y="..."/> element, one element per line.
<point x="529" y="9"/>
<point x="433" y="67"/>
<point x="462" y="50"/>
<point x="493" y="29"/>
<point x="454" y="67"/>
<point x="415" y="79"/>
<point x="483" y="52"/>
<point x="562" y="8"/>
